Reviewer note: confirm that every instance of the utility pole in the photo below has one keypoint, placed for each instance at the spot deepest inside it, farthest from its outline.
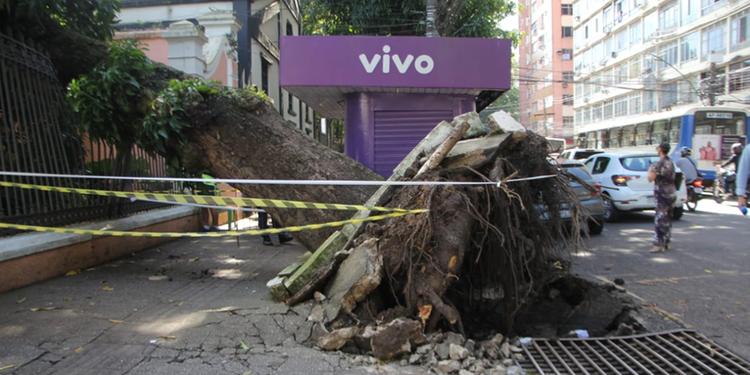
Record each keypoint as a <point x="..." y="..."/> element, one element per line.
<point x="430" y="27"/>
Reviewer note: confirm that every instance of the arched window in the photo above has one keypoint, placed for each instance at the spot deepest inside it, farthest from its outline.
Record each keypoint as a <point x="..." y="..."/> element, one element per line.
<point x="289" y="28"/>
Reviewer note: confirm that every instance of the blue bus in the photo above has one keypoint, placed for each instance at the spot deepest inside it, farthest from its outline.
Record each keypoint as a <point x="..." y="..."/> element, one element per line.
<point x="708" y="131"/>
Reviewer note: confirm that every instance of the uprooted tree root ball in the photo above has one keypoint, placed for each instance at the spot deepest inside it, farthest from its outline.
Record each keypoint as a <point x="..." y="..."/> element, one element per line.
<point x="480" y="254"/>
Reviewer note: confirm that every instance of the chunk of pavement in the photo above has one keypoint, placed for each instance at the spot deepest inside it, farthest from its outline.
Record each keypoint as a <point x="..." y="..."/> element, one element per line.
<point x="476" y="127"/>
<point x="502" y="120"/>
<point x="458" y="352"/>
<point x="465" y="372"/>
<point x="319" y="297"/>
<point x="357" y="276"/>
<point x="396" y="338"/>
<point x="474" y="152"/>
<point x="515" y="370"/>
<point x="336" y="339"/>
<point x="317" y="314"/>
<point x="447" y="366"/>
<point x="320" y="258"/>
<point x="454" y="338"/>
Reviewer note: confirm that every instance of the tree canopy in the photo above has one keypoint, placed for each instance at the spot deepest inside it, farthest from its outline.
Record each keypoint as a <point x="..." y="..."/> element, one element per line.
<point x="455" y="18"/>
<point x="92" y="18"/>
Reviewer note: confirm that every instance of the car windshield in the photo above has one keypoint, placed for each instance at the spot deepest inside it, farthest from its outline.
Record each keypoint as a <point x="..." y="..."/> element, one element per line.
<point x="578" y="155"/>
<point x="580" y="172"/>
<point x="638" y="163"/>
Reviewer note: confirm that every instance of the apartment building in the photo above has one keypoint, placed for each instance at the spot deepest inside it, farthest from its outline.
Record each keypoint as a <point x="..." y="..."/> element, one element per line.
<point x="235" y="42"/>
<point x="545" y="67"/>
<point x="637" y="59"/>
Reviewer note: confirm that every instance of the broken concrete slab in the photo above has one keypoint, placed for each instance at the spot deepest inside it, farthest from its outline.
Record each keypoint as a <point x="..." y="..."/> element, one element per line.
<point x="474" y="152"/>
<point x="505" y="122"/>
<point x="396" y="338"/>
<point x="476" y="127"/>
<point x="358" y="275"/>
<point x="336" y="339"/>
<point x="320" y="258"/>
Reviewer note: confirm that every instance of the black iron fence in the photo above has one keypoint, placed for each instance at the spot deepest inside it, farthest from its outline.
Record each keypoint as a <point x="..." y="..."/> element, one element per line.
<point x="36" y="135"/>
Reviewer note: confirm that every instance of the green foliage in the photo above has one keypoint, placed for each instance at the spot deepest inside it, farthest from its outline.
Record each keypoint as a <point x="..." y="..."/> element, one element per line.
<point x="455" y="18"/>
<point x="164" y="126"/>
<point x="137" y="167"/>
<point x="111" y="101"/>
<point x="93" y="18"/>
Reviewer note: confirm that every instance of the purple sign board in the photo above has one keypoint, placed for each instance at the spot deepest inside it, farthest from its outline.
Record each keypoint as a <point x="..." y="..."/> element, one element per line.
<point x="395" y="62"/>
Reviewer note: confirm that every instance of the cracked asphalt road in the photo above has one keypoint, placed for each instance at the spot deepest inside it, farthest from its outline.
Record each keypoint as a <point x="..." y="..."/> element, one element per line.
<point x="703" y="281"/>
<point x="188" y="307"/>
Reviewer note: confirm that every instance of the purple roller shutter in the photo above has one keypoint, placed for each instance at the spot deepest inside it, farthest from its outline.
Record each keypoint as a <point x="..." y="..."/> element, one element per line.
<point x="397" y="132"/>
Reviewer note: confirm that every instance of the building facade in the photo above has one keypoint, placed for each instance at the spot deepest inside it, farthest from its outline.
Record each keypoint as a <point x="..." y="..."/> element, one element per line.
<point x="545" y="71"/>
<point x="637" y="59"/>
<point x="233" y="42"/>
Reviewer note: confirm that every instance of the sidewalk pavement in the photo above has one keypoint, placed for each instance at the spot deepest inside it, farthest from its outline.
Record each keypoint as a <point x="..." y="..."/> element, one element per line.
<point x="188" y="307"/>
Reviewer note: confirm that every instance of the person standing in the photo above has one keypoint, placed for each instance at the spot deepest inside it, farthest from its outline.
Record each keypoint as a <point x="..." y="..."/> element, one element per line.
<point x="743" y="174"/>
<point x="662" y="174"/>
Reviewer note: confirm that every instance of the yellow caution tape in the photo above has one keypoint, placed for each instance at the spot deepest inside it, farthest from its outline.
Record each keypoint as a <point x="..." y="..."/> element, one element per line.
<point x="234" y="233"/>
<point x="210" y="199"/>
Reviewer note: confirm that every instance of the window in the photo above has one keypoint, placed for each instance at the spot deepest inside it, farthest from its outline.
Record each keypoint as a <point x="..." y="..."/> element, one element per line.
<point x="643" y="134"/>
<point x="686" y="90"/>
<point x="566" y="54"/>
<point x="713" y="40"/>
<point x="689" y="47"/>
<point x="650" y="24"/>
<point x="600" y="165"/>
<point x="636" y="34"/>
<point x="567" y="99"/>
<point x="668" y="55"/>
<point x="649" y="101"/>
<point x="690" y="11"/>
<point x="635" y="104"/>
<point x="596" y="113"/>
<point x="621" y="39"/>
<point x="567" y="31"/>
<point x="607" y="18"/>
<point x="607" y="110"/>
<point x="739" y="76"/>
<point x="265" y="66"/>
<point x="289" y="28"/>
<point x="740" y="30"/>
<point x="668" y="95"/>
<point x="568" y="77"/>
<point x="708" y="6"/>
<point x="578" y="117"/>
<point x="290" y="105"/>
<point x="669" y="17"/>
<point x="567" y="9"/>
<point x="567" y="121"/>
<point x="628" y="136"/>
<point x="635" y="69"/>
<point x="621" y="73"/>
<point x="621" y="106"/>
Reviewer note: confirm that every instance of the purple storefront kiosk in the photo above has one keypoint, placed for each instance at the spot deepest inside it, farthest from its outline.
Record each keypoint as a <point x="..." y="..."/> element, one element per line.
<point x="392" y="91"/>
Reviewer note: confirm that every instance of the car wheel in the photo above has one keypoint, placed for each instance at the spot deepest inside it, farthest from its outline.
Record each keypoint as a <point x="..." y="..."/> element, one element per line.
<point x="596" y="227"/>
<point x="677" y="213"/>
<point x="611" y="213"/>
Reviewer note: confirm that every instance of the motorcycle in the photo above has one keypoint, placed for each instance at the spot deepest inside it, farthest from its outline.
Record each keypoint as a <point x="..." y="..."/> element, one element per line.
<point x="694" y="193"/>
<point x="724" y="185"/>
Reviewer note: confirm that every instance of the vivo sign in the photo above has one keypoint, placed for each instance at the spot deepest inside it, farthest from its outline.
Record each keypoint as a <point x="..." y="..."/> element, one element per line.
<point x="397" y="62"/>
<point x="423" y="64"/>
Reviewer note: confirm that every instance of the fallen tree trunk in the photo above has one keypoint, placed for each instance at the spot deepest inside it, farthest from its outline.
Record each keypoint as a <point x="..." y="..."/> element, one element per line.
<point x="252" y="141"/>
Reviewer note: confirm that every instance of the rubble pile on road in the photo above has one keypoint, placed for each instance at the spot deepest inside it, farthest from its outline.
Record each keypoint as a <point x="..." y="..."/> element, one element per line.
<point x="469" y="264"/>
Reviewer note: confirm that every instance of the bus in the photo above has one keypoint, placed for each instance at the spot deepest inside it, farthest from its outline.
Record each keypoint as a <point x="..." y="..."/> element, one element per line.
<point x="708" y="131"/>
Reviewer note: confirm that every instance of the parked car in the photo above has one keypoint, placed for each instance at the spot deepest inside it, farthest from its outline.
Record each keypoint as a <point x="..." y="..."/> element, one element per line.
<point x="623" y="178"/>
<point x="577" y="154"/>
<point x="589" y="197"/>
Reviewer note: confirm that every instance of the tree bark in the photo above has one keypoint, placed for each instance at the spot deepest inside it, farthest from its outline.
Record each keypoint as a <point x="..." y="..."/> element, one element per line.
<point x="255" y="142"/>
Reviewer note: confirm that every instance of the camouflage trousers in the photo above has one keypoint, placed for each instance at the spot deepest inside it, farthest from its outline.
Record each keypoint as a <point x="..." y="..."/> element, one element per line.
<point x="663" y="219"/>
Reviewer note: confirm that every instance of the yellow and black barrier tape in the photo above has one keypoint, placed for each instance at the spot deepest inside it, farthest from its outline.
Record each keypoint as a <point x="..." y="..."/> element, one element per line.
<point x="230" y="202"/>
<point x="233" y="233"/>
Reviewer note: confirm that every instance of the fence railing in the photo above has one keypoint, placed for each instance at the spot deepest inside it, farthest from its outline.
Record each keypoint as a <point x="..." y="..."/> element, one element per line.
<point x="36" y="136"/>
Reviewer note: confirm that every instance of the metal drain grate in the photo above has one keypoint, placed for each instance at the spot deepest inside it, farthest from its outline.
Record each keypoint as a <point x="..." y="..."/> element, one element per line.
<point x="671" y="352"/>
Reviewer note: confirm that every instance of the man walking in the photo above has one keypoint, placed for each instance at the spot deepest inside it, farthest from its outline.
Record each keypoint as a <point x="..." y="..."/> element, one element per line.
<point x="662" y="174"/>
<point x="743" y="174"/>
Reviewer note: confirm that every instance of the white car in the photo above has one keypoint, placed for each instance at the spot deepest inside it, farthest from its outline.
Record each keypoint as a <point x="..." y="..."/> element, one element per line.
<point x="576" y="154"/>
<point x="623" y="179"/>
